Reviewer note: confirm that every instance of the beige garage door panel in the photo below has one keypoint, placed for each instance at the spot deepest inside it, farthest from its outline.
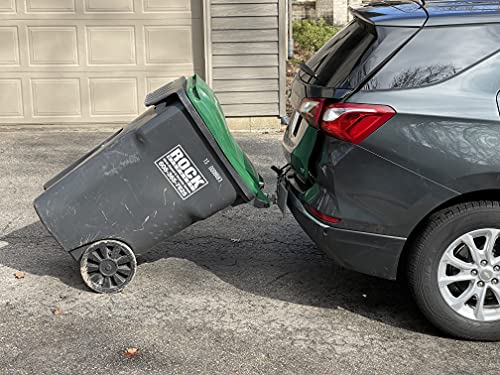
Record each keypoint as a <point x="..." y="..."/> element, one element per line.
<point x="9" y="50"/>
<point x="52" y="45"/>
<point x="111" y="45"/>
<point x="69" y="97"/>
<point x="113" y="96"/>
<point x="50" y="6"/>
<point x="74" y="61"/>
<point x="56" y="97"/>
<point x="95" y="9"/>
<point x="7" y="6"/>
<point x="11" y="98"/>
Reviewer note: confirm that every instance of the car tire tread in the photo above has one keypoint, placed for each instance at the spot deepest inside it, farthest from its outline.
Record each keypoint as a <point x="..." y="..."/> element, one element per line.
<point x="420" y="271"/>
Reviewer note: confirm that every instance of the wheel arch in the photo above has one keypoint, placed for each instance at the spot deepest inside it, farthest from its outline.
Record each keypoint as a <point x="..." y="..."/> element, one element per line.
<point x="487" y="194"/>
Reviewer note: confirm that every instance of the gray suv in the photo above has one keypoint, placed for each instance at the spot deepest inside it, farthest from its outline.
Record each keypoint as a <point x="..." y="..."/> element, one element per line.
<point x="394" y="155"/>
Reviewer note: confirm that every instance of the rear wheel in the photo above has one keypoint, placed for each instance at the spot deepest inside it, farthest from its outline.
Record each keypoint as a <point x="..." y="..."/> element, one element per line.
<point x="108" y="266"/>
<point x="454" y="270"/>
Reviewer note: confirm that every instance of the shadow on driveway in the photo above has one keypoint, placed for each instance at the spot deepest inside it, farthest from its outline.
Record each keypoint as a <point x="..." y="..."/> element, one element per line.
<point x="33" y="250"/>
<point x="281" y="263"/>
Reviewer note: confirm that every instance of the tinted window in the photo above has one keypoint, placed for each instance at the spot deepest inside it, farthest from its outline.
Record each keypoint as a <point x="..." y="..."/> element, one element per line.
<point x="334" y="62"/>
<point x="389" y="39"/>
<point x="436" y="54"/>
<point x="348" y="58"/>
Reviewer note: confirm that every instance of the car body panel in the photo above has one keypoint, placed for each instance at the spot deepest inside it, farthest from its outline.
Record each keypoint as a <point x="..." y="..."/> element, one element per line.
<point x="431" y="13"/>
<point x="371" y="193"/>
<point x="369" y="253"/>
<point x="299" y="144"/>
<point x="393" y="13"/>
<point x="470" y="12"/>
<point x="299" y="147"/>
<point x="452" y="141"/>
<point x="441" y="143"/>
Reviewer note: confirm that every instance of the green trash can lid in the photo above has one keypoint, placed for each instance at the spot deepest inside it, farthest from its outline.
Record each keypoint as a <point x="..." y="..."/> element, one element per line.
<point x="209" y="109"/>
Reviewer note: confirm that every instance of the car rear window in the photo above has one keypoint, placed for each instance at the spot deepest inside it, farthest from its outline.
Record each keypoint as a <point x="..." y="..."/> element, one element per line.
<point x="334" y="62"/>
<point x="436" y="54"/>
<point x="347" y="59"/>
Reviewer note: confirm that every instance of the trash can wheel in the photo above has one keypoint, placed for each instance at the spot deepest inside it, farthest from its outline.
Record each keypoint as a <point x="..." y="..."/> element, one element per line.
<point x="108" y="266"/>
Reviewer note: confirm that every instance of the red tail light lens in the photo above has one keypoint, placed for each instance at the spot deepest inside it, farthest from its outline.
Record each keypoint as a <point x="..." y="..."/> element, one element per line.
<point x="354" y="122"/>
<point x="320" y="215"/>
<point x="311" y="110"/>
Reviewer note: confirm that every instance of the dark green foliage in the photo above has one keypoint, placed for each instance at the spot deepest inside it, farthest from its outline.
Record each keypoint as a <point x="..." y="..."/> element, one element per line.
<point x="311" y="34"/>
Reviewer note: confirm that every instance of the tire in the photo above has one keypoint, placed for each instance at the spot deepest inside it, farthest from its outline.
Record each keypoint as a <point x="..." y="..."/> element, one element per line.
<point x="108" y="266"/>
<point x="432" y="263"/>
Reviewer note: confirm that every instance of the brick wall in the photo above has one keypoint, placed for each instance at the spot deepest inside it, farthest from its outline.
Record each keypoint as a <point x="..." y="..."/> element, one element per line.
<point x="303" y="9"/>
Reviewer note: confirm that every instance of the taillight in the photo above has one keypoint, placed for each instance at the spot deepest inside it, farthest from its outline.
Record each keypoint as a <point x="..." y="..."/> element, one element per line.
<point x="311" y="110"/>
<point x="324" y="217"/>
<point x="353" y="122"/>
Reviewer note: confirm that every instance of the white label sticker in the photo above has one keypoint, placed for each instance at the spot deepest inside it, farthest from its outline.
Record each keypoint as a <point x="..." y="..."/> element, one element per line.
<point x="179" y="169"/>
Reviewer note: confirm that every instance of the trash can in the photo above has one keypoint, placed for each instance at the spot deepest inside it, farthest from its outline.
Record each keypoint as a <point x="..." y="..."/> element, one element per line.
<point x="174" y="165"/>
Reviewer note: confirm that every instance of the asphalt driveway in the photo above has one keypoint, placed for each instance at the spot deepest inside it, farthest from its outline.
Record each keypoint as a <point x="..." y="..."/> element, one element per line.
<point x="242" y="292"/>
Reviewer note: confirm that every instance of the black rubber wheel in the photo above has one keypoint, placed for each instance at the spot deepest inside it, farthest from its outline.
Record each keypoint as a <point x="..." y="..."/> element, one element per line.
<point x="451" y="247"/>
<point x="108" y="266"/>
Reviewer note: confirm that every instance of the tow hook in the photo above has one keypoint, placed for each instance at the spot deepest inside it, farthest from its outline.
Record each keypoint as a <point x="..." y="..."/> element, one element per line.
<point x="280" y="171"/>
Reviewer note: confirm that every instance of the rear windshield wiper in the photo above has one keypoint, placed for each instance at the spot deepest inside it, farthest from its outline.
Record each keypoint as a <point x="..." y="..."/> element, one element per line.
<point x="307" y="69"/>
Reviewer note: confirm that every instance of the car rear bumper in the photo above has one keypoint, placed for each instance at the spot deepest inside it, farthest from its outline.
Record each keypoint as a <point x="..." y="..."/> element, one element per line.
<point x="369" y="253"/>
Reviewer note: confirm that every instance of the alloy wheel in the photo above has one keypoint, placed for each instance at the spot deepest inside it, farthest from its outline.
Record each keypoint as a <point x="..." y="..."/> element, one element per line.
<point x="469" y="273"/>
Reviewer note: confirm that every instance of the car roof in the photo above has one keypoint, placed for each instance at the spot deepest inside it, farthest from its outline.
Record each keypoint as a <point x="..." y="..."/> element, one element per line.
<point x="417" y="13"/>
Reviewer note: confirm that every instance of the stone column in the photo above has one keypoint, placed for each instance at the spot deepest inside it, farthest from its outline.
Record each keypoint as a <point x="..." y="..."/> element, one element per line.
<point x="341" y="14"/>
<point x="324" y="9"/>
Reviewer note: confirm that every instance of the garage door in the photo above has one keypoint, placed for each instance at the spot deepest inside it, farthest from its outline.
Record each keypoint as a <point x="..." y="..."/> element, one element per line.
<point x="81" y="61"/>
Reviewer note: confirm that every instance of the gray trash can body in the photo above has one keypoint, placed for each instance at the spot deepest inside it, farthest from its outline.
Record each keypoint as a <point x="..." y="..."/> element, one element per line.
<point x="152" y="179"/>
